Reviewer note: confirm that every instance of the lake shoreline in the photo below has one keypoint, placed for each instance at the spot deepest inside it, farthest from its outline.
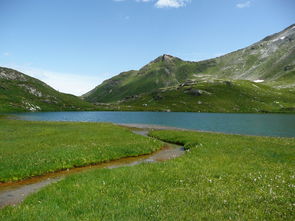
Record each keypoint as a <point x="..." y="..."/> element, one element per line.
<point x="274" y="125"/>
<point x="160" y="127"/>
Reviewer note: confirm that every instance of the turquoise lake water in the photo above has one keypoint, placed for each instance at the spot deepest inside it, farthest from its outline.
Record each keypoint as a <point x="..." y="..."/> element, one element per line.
<point x="251" y="124"/>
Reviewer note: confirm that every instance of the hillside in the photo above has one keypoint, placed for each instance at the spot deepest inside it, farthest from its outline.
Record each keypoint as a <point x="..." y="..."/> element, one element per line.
<point x="162" y="72"/>
<point x="241" y="96"/>
<point x="19" y="92"/>
<point x="271" y="62"/>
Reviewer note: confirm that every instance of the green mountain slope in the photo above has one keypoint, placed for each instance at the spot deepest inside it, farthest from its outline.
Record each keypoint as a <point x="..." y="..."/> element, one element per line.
<point x="19" y="92"/>
<point x="164" y="71"/>
<point x="216" y="96"/>
<point x="270" y="61"/>
<point x="161" y="72"/>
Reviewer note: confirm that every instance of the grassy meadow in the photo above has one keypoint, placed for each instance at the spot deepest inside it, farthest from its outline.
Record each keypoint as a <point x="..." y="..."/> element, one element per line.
<point x="34" y="148"/>
<point x="221" y="177"/>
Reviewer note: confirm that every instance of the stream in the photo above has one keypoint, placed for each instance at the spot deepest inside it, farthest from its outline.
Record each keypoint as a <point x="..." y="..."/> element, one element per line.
<point x="14" y="193"/>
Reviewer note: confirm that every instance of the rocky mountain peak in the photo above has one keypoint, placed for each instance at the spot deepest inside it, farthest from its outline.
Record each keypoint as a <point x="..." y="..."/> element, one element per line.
<point x="286" y="35"/>
<point x="165" y="58"/>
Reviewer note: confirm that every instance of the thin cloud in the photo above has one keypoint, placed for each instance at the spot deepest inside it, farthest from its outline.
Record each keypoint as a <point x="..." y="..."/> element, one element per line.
<point x="6" y="54"/>
<point x="246" y="4"/>
<point x="163" y="3"/>
<point x="171" y="3"/>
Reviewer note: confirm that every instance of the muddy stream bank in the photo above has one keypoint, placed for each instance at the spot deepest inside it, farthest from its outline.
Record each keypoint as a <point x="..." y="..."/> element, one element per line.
<point x="14" y="193"/>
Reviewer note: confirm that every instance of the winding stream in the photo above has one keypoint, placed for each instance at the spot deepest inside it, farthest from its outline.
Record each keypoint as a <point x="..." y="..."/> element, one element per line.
<point x="15" y="193"/>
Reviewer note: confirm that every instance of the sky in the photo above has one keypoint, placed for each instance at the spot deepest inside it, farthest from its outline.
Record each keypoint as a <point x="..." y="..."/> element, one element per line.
<point x="73" y="45"/>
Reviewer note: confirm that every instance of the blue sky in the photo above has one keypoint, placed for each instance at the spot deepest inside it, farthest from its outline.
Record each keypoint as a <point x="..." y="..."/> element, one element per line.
<point x="73" y="45"/>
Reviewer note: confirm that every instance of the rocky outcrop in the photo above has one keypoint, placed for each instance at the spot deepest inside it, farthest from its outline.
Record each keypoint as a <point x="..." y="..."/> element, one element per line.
<point x="31" y="90"/>
<point x="9" y="74"/>
<point x="31" y="107"/>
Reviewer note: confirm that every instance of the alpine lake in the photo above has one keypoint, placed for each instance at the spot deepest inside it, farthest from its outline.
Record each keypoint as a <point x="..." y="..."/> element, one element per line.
<point x="279" y="125"/>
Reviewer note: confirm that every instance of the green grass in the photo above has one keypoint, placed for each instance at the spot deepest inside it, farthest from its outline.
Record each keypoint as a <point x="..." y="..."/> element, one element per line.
<point x="221" y="177"/>
<point x="34" y="148"/>
<point x="218" y="96"/>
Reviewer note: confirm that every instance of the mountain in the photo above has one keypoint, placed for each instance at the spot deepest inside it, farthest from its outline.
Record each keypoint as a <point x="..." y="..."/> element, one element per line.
<point x="164" y="71"/>
<point x="161" y="72"/>
<point x="268" y="64"/>
<point x="19" y="92"/>
<point x="271" y="60"/>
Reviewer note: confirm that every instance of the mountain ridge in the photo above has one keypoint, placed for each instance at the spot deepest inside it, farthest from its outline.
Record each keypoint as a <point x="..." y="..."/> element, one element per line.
<point x="169" y="83"/>
<point x="20" y="92"/>
<point x="269" y="62"/>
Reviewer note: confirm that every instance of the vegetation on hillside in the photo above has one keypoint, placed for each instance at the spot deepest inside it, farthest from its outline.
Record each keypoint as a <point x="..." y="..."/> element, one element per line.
<point x="19" y="92"/>
<point x="269" y="61"/>
<point x="215" y="96"/>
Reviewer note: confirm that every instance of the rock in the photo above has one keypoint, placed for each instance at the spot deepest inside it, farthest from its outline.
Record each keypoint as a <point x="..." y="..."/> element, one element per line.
<point x="12" y="75"/>
<point x="31" y="90"/>
<point x="48" y="101"/>
<point x="31" y="107"/>
<point x="130" y="97"/>
<point x="289" y="67"/>
<point x="228" y="83"/>
<point x="194" y="92"/>
<point x="188" y="83"/>
<point x="167" y="57"/>
<point x="157" y="97"/>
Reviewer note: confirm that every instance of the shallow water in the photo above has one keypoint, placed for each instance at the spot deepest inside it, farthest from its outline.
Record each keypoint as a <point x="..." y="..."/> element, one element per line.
<point x="251" y="124"/>
<point x="14" y="193"/>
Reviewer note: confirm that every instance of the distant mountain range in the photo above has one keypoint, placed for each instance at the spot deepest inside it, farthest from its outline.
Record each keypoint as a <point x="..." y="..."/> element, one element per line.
<point x="260" y="77"/>
<point x="19" y="92"/>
